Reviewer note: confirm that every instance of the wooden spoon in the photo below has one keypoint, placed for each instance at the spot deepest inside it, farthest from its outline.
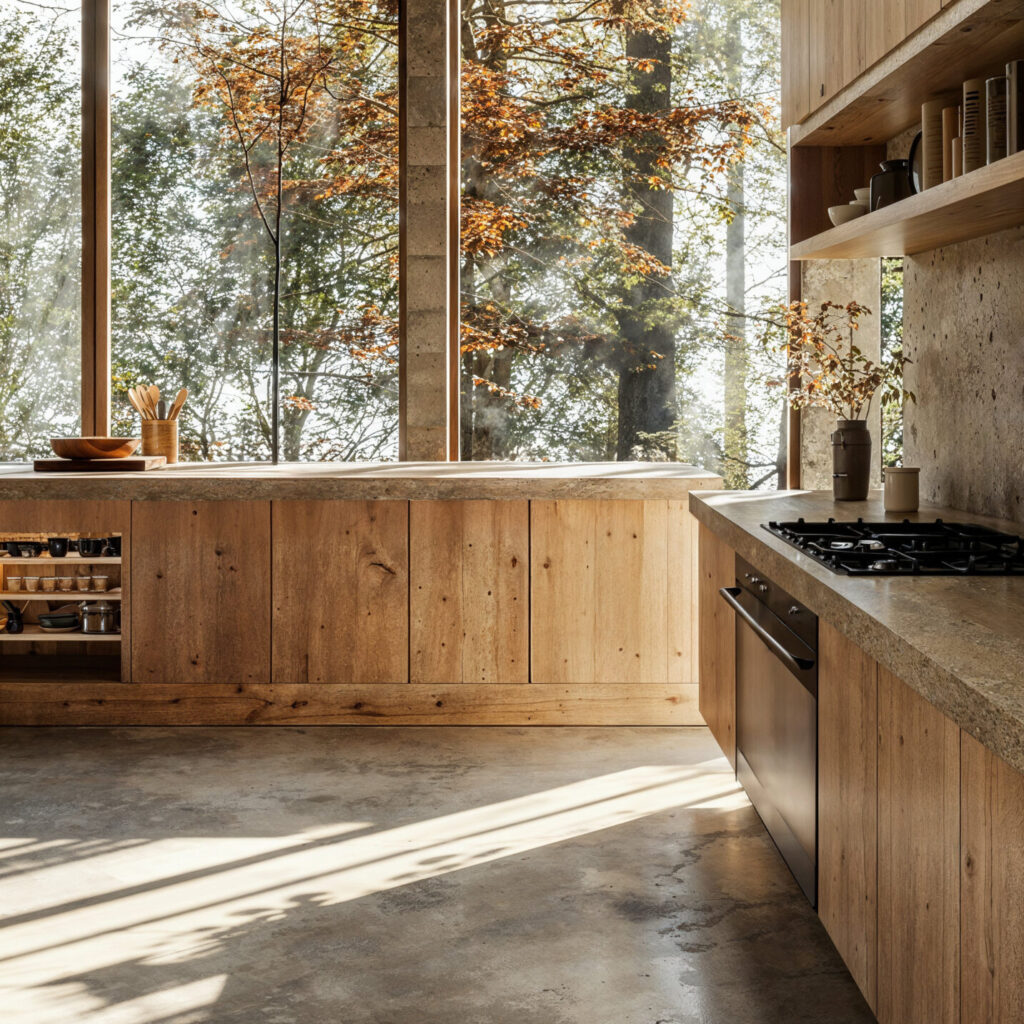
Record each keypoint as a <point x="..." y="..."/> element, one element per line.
<point x="135" y="403"/>
<point x="179" y="401"/>
<point x="154" y="397"/>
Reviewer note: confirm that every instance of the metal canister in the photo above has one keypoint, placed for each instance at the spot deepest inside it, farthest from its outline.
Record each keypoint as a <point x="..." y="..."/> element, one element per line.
<point x="100" y="617"/>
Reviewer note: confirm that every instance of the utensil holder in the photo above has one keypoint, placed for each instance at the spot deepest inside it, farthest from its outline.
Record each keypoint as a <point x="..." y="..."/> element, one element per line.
<point x="160" y="437"/>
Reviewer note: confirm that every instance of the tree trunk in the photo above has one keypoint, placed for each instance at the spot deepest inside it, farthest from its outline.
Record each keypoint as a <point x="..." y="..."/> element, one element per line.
<point x="737" y="359"/>
<point x="647" y="372"/>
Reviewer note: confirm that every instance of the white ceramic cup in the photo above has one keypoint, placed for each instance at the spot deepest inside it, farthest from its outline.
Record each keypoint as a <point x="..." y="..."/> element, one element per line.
<point x="902" y="488"/>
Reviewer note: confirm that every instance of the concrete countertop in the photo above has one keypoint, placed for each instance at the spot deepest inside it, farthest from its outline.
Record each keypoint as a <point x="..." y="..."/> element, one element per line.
<point x="958" y="641"/>
<point x="366" y="481"/>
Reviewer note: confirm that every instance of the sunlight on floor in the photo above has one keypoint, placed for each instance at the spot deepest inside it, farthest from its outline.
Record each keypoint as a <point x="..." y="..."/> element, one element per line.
<point x="166" y="900"/>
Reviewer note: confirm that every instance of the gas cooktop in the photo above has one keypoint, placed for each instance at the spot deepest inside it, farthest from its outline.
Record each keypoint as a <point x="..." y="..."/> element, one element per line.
<point x="906" y="549"/>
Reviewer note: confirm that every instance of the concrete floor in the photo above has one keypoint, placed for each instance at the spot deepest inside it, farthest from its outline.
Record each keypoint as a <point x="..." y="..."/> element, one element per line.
<point x="396" y="876"/>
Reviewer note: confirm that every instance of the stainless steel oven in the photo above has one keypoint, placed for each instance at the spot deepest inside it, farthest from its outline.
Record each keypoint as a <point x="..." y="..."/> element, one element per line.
<point x="777" y="716"/>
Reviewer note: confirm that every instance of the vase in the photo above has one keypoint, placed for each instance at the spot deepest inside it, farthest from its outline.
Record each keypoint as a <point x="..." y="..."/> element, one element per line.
<point x="851" y="460"/>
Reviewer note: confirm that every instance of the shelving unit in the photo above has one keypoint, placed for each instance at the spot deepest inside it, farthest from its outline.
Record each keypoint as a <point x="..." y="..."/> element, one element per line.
<point x="61" y="595"/>
<point x="986" y="200"/>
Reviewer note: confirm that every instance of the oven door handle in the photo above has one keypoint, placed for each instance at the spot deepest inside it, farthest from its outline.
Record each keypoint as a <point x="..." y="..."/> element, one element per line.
<point x="794" y="662"/>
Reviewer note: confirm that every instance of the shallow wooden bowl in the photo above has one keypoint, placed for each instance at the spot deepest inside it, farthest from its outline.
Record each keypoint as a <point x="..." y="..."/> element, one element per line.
<point x="94" y="447"/>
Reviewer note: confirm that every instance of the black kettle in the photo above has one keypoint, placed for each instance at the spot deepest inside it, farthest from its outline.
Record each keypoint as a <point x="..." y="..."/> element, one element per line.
<point x="894" y="182"/>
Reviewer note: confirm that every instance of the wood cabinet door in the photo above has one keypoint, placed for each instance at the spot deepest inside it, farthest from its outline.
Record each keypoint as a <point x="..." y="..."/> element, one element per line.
<point x="825" y="51"/>
<point x="469" y="591"/>
<point x="847" y="803"/>
<point x="200" y="575"/>
<point x="918" y="859"/>
<point x="796" y="61"/>
<point x="991" y="873"/>
<point x="717" y="641"/>
<point x="341" y="591"/>
<point x="611" y="592"/>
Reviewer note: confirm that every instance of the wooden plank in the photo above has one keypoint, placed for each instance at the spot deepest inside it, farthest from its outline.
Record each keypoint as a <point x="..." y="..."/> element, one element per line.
<point x="825" y="51"/>
<point x="971" y="38"/>
<point x="54" y="703"/>
<point x="469" y="591"/>
<point x="918" y="858"/>
<point x="796" y="67"/>
<point x="986" y="200"/>
<point x="200" y="576"/>
<point x="682" y="626"/>
<point x="847" y="803"/>
<point x="717" y="647"/>
<point x="341" y="592"/>
<point x="602" y="603"/>
<point x="992" y="866"/>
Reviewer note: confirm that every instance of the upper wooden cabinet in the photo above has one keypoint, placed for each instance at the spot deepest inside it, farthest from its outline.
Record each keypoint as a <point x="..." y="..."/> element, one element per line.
<point x="200" y="580"/>
<point x="826" y="44"/>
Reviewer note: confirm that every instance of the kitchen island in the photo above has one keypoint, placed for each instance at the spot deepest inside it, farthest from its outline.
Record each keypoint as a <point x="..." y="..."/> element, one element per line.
<point x="920" y="790"/>
<point x="405" y="593"/>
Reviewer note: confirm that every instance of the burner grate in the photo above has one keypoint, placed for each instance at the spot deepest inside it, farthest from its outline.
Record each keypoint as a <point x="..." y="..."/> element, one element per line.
<point x="905" y="548"/>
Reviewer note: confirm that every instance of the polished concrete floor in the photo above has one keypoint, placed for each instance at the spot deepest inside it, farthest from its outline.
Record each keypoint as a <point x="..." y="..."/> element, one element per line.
<point x="396" y="876"/>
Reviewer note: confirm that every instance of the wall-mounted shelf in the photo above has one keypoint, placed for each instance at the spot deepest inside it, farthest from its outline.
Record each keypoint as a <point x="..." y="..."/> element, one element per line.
<point x="61" y="595"/>
<point x="34" y="634"/>
<point x="986" y="200"/>
<point x="967" y="39"/>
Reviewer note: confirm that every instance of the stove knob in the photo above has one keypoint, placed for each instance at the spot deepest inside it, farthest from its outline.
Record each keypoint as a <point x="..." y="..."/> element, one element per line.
<point x="794" y="610"/>
<point x="763" y="587"/>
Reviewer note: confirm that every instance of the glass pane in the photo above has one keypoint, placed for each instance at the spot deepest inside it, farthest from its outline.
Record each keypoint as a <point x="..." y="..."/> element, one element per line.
<point x="616" y="234"/>
<point x="196" y="120"/>
<point x="40" y="240"/>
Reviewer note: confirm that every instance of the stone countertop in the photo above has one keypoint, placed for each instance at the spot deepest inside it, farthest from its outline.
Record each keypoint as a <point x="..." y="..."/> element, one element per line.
<point x="366" y="481"/>
<point x="958" y="641"/>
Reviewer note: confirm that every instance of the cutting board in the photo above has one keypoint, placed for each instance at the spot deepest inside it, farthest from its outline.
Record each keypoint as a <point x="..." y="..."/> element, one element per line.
<point x="132" y="464"/>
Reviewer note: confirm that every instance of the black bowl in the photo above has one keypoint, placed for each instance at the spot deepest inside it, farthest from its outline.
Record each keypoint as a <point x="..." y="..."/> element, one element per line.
<point x="58" y="546"/>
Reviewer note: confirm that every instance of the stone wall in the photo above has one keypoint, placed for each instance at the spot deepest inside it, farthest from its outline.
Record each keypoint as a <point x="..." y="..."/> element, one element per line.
<point x="964" y="331"/>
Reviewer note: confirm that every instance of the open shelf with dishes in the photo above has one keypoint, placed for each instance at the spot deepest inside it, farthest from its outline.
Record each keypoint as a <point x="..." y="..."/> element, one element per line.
<point x="839" y="146"/>
<point x="60" y="606"/>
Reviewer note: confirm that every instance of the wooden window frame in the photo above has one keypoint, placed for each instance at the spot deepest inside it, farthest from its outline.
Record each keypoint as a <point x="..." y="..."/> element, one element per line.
<point x="429" y="396"/>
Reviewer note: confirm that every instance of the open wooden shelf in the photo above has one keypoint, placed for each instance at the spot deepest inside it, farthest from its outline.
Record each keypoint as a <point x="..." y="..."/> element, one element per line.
<point x="986" y="200"/>
<point x="968" y="39"/>
<point x="61" y="595"/>
<point x="74" y="559"/>
<point x="60" y="669"/>
<point x="34" y="634"/>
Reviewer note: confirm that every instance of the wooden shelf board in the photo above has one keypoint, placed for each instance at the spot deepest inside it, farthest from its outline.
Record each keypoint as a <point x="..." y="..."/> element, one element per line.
<point x="56" y="669"/>
<point x="968" y="39"/>
<point x="987" y="200"/>
<point x="60" y="595"/>
<point x="33" y="634"/>
<point x="67" y="559"/>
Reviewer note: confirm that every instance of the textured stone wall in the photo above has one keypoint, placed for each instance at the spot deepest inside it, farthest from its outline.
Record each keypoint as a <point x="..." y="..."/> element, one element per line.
<point x="964" y="331"/>
<point x="840" y="281"/>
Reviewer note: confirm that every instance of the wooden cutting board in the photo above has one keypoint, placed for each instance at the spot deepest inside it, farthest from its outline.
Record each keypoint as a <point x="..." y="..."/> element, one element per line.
<point x="132" y="464"/>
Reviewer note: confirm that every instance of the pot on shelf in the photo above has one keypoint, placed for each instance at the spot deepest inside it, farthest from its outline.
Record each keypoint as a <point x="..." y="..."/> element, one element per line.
<point x="851" y="460"/>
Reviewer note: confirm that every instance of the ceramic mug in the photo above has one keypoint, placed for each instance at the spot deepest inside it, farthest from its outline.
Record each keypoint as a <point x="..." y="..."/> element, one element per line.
<point x="13" y="583"/>
<point x="32" y="583"/>
<point x="902" y="488"/>
<point x="58" y="546"/>
<point x="83" y="583"/>
<point x="99" y="583"/>
<point x="49" y="583"/>
<point x="66" y="582"/>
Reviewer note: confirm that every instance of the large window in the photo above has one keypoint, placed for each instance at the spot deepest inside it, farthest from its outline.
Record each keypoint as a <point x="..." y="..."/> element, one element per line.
<point x="40" y="234"/>
<point x="623" y="189"/>
<point x="216" y="179"/>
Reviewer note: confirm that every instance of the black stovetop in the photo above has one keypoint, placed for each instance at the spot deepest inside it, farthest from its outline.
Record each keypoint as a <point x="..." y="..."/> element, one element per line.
<point x="906" y="549"/>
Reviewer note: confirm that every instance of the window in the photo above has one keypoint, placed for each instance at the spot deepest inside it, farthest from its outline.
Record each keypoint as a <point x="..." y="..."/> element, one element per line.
<point x="40" y="240"/>
<point x="195" y="120"/>
<point x="623" y="190"/>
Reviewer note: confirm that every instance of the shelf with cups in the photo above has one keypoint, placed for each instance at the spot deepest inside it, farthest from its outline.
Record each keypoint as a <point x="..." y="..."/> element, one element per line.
<point x="979" y="203"/>
<point x="70" y="558"/>
<point x="61" y="595"/>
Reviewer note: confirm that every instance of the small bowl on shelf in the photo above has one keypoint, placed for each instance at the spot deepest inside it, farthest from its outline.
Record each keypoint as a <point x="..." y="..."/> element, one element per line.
<point x="863" y="195"/>
<point x="94" y="447"/>
<point x="840" y="215"/>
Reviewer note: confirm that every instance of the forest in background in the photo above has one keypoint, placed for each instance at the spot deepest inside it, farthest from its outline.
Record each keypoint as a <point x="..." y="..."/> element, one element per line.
<point x="613" y="240"/>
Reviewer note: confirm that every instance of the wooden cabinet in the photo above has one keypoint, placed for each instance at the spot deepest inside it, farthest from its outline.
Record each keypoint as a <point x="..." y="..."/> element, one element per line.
<point x="717" y="641"/>
<point x="611" y="592"/>
<point x="469" y="601"/>
<point x="847" y="803"/>
<point x="796" y="67"/>
<point x="918" y="859"/>
<point x="200" y="579"/>
<point x="341" y="592"/>
<point x="991" y="872"/>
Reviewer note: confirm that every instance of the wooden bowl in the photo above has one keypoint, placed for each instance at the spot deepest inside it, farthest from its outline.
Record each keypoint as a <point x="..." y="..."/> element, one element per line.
<point x="94" y="447"/>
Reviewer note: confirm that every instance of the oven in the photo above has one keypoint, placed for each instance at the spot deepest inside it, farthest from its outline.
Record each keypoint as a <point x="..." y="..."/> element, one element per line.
<point x="777" y="716"/>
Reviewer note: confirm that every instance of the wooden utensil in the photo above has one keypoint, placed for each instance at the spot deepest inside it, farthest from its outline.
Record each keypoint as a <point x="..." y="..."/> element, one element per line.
<point x="136" y="404"/>
<point x="154" y="397"/>
<point x="179" y="401"/>
<point x="94" y="447"/>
